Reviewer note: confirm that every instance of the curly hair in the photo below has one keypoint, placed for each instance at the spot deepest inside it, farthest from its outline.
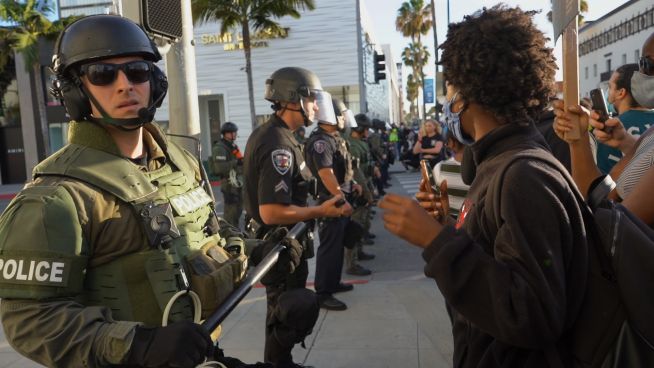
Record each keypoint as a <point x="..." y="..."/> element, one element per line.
<point x="497" y="58"/>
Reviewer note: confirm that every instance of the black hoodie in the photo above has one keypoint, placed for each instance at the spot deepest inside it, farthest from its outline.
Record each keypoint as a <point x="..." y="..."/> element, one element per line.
<point x="514" y="275"/>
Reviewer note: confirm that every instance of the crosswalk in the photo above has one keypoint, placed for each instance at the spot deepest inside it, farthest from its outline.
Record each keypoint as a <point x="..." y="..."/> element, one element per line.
<point x="409" y="181"/>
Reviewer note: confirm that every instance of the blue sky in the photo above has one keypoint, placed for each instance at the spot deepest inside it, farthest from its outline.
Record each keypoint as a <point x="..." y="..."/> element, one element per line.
<point x="384" y="12"/>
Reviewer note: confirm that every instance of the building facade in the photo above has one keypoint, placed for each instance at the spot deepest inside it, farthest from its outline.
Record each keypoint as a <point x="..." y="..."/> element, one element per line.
<point x="334" y="40"/>
<point x="611" y="41"/>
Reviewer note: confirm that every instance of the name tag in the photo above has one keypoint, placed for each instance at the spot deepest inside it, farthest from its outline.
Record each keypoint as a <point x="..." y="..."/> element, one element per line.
<point x="34" y="271"/>
<point x="190" y="201"/>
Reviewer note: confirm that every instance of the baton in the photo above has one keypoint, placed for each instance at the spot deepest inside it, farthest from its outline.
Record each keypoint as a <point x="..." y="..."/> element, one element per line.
<point x="235" y="297"/>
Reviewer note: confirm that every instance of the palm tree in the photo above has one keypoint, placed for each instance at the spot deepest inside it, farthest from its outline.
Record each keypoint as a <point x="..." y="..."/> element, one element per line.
<point x="28" y="24"/>
<point x="255" y="15"/>
<point x="414" y="19"/>
<point x="416" y="56"/>
<point x="412" y="93"/>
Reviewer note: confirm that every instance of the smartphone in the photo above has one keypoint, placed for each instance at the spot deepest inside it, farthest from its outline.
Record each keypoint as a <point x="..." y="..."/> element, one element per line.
<point x="599" y="105"/>
<point x="428" y="176"/>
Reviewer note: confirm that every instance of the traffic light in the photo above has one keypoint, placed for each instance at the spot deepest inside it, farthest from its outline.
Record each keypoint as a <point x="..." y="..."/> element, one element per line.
<point x="380" y="66"/>
<point x="163" y="17"/>
<point x="159" y="17"/>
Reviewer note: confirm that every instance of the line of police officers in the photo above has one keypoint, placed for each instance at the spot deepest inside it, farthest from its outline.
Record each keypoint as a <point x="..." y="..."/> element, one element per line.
<point x="113" y="253"/>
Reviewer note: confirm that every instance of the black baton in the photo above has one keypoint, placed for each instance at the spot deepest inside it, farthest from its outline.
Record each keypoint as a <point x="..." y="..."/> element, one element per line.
<point x="235" y="297"/>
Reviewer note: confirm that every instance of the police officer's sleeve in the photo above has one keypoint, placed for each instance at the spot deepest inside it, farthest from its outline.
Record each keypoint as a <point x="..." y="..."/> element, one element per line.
<point x="221" y="161"/>
<point x="43" y="256"/>
<point x="321" y="153"/>
<point x="275" y="180"/>
<point x="63" y="333"/>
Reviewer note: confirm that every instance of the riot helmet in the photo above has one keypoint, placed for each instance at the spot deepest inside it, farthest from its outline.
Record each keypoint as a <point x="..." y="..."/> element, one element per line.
<point x="228" y="127"/>
<point x="378" y="124"/>
<point x="344" y="117"/>
<point x="93" y="39"/>
<point x="363" y="122"/>
<point x="297" y="85"/>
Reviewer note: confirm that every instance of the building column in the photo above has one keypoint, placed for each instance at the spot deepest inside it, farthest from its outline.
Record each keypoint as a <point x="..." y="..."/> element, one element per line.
<point x="30" y="126"/>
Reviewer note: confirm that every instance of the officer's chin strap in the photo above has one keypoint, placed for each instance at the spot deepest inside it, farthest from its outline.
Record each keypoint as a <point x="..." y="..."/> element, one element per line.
<point x="118" y="123"/>
<point x="307" y="122"/>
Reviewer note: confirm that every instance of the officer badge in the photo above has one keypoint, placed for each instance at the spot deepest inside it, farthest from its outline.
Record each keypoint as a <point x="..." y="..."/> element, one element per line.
<point x="319" y="146"/>
<point x="282" y="160"/>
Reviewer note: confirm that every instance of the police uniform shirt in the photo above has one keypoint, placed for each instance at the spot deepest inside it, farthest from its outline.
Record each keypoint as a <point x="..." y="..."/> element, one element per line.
<point x="322" y="152"/>
<point x="273" y="168"/>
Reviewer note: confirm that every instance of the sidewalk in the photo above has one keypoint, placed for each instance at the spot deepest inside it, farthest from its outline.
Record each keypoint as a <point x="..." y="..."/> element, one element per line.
<point x="395" y="317"/>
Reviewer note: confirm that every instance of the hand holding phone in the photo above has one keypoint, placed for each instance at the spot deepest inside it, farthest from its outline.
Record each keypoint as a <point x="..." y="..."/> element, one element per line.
<point x="599" y="105"/>
<point x="428" y="177"/>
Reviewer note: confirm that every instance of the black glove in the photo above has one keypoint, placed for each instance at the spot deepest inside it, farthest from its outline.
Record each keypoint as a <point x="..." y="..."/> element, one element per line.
<point x="181" y="344"/>
<point x="288" y="259"/>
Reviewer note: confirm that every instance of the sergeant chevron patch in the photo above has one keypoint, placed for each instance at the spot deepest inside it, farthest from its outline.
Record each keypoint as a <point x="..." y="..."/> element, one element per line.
<point x="281" y="186"/>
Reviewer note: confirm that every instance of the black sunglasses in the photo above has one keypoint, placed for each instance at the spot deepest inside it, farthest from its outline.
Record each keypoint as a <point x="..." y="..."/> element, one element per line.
<point x="102" y="74"/>
<point x="646" y="65"/>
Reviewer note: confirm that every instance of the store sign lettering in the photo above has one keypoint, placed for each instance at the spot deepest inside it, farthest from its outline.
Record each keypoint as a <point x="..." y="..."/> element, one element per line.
<point x="234" y="40"/>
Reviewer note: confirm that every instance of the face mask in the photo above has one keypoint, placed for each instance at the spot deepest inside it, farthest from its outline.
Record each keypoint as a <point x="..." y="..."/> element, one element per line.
<point x="453" y="122"/>
<point x="642" y="89"/>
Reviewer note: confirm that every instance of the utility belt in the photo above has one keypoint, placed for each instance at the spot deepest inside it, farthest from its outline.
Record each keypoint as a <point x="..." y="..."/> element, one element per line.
<point x="260" y="231"/>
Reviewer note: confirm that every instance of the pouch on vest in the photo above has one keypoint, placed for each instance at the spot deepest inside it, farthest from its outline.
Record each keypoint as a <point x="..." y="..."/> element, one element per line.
<point x="214" y="273"/>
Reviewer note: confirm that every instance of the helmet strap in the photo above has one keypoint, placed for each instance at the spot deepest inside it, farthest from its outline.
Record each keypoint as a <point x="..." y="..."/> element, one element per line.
<point x="121" y="124"/>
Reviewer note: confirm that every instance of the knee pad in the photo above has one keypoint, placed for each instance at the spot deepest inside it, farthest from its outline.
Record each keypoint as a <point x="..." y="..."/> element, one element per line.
<point x="296" y="313"/>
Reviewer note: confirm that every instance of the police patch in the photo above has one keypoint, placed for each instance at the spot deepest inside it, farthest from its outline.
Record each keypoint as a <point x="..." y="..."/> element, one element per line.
<point x="319" y="146"/>
<point x="282" y="160"/>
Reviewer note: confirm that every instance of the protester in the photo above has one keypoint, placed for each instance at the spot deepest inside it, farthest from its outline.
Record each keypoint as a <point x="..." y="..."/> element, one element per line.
<point x="635" y="118"/>
<point x="430" y="143"/>
<point x="449" y="171"/>
<point x="513" y="268"/>
<point x="633" y="173"/>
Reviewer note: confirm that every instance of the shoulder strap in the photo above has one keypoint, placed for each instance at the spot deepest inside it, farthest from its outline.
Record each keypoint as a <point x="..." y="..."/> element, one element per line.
<point x="114" y="174"/>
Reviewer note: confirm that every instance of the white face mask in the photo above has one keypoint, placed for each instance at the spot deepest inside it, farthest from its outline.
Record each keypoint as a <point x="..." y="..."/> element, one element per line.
<point x="642" y="89"/>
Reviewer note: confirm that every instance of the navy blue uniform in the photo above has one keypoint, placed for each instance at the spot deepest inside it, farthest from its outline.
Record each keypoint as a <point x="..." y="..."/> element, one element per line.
<point x="275" y="172"/>
<point x="322" y="151"/>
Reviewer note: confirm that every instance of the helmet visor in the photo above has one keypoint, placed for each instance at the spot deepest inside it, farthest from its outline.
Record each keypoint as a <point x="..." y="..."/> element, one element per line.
<point x="350" y="121"/>
<point x="325" y="113"/>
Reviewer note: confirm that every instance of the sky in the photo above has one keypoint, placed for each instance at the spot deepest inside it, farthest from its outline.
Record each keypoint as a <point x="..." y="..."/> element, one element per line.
<point x="383" y="13"/>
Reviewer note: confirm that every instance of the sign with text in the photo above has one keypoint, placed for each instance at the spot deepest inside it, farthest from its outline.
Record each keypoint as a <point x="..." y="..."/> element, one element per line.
<point x="428" y="91"/>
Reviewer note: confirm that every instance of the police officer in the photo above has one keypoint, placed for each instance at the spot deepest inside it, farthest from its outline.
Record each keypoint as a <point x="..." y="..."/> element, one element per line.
<point x="277" y="186"/>
<point x="329" y="161"/>
<point x="363" y="174"/>
<point x="376" y="142"/>
<point x="227" y="164"/>
<point x="101" y="249"/>
<point x="300" y="135"/>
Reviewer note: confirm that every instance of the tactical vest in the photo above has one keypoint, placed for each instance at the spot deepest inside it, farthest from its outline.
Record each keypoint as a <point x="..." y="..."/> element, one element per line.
<point x="177" y="217"/>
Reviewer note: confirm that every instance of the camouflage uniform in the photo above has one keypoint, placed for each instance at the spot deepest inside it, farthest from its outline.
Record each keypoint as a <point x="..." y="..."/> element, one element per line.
<point x="98" y="245"/>
<point x="227" y="164"/>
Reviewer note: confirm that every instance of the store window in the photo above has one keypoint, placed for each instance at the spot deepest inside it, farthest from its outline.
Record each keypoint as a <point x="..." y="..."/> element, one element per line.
<point x="624" y="59"/>
<point x="594" y="70"/>
<point x="586" y="72"/>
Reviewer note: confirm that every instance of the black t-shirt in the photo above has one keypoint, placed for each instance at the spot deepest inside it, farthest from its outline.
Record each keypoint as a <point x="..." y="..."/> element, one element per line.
<point x="430" y="142"/>
<point x="273" y="168"/>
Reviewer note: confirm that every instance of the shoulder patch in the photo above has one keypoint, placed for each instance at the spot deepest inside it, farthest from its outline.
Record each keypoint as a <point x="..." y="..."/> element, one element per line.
<point x="319" y="146"/>
<point x="282" y="160"/>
